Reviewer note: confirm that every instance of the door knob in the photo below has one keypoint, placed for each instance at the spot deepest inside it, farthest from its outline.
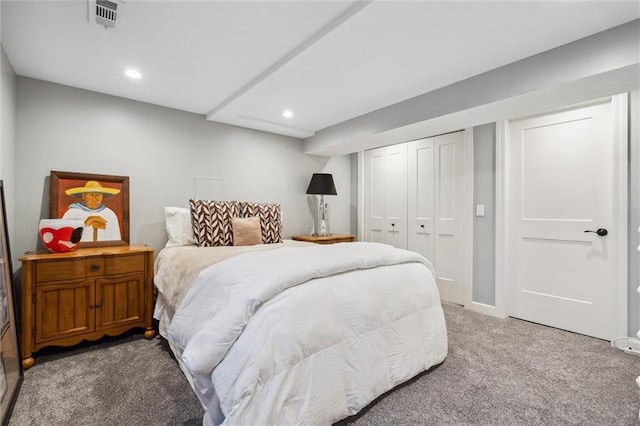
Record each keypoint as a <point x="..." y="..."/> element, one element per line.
<point x="600" y="231"/>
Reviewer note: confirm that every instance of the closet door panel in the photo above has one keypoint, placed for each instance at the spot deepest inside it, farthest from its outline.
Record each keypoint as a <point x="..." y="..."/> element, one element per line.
<point x="446" y="181"/>
<point x="421" y="196"/>
<point x="375" y="196"/>
<point x="385" y="189"/>
<point x="397" y="196"/>
<point x="446" y="268"/>
<point x="448" y="211"/>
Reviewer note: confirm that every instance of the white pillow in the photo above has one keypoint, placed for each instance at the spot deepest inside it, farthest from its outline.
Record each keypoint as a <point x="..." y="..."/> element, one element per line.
<point x="179" y="229"/>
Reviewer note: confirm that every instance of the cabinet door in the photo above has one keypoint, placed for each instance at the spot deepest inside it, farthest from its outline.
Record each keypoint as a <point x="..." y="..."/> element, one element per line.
<point x="120" y="301"/>
<point x="64" y="310"/>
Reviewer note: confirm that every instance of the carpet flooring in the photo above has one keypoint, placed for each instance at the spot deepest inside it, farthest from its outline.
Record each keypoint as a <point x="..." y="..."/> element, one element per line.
<point x="498" y="372"/>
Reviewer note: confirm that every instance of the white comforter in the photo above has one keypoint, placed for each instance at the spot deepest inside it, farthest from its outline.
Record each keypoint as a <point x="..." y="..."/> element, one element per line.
<point x="308" y="335"/>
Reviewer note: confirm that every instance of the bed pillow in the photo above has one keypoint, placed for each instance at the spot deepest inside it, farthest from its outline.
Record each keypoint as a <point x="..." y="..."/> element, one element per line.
<point x="179" y="228"/>
<point x="212" y="222"/>
<point x="246" y="231"/>
<point x="270" y="219"/>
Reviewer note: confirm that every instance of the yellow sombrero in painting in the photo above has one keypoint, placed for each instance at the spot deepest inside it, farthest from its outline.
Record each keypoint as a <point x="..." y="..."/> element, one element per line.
<point x="91" y="186"/>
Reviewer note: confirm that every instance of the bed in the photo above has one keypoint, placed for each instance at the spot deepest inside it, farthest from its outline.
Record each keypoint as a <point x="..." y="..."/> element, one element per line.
<point x="297" y="333"/>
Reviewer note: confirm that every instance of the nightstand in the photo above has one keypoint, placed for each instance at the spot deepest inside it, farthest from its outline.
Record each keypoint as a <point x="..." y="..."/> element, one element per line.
<point x="326" y="239"/>
<point x="84" y="295"/>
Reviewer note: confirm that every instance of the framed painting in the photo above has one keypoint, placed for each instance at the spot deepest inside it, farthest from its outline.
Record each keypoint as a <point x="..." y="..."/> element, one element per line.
<point x="10" y="363"/>
<point x="101" y="201"/>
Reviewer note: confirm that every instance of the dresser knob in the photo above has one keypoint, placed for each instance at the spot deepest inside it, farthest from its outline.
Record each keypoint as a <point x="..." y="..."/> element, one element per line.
<point x="95" y="267"/>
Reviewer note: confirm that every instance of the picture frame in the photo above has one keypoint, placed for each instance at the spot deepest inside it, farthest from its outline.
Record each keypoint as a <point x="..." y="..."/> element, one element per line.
<point x="102" y="201"/>
<point x="11" y="373"/>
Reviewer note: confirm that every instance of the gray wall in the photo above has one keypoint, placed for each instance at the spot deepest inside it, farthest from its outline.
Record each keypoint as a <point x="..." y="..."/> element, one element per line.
<point x="484" y="228"/>
<point x="8" y="137"/>
<point x="634" y="212"/>
<point x="161" y="150"/>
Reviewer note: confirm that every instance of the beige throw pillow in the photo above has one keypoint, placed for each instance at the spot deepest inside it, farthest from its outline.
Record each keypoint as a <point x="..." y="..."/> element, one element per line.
<point x="246" y="231"/>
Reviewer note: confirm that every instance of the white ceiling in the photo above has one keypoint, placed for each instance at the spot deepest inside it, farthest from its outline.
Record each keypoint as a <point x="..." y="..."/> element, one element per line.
<point x="244" y="62"/>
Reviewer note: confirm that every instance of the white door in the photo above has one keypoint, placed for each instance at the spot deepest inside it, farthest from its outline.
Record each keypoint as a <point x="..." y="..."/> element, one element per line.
<point x="435" y="196"/>
<point x="561" y="189"/>
<point x="385" y="197"/>
<point x="421" y="197"/>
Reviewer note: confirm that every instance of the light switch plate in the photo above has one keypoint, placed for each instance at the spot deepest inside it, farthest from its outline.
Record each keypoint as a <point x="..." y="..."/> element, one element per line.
<point x="480" y="210"/>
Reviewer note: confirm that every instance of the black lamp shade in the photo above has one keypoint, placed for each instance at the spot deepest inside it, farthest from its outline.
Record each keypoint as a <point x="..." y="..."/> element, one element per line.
<point x="322" y="184"/>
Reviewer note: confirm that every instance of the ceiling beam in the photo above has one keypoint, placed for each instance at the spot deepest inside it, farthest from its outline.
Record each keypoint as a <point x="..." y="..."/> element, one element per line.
<point x="307" y="43"/>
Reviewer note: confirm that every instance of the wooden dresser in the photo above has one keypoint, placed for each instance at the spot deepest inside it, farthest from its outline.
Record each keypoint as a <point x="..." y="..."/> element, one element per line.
<point x="84" y="295"/>
<point x="325" y="239"/>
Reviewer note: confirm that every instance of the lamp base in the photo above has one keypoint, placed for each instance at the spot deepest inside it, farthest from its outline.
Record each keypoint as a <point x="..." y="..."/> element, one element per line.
<point x="323" y="231"/>
<point x="322" y="220"/>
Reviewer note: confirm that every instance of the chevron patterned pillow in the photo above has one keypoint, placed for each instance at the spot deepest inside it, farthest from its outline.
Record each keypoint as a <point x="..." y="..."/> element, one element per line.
<point x="270" y="219"/>
<point x="212" y="222"/>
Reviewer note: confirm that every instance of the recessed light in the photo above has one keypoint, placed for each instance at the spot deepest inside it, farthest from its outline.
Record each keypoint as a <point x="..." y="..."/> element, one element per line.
<point x="287" y="114"/>
<point x="133" y="74"/>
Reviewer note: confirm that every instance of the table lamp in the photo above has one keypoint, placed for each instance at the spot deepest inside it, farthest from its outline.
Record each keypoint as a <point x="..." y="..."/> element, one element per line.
<point x="322" y="184"/>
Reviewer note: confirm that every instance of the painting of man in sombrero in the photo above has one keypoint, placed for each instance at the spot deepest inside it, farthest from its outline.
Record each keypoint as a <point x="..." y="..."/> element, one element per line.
<point x="100" y="222"/>
<point x="100" y="201"/>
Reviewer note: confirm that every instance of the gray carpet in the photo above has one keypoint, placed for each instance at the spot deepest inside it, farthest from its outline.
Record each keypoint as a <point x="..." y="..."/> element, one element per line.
<point x="498" y="372"/>
<point x="119" y="381"/>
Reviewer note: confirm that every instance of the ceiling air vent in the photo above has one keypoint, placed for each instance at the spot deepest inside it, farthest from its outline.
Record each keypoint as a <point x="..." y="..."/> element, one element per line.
<point x="106" y="13"/>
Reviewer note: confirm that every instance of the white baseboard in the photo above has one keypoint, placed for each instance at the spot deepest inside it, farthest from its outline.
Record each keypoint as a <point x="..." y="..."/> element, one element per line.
<point x="485" y="309"/>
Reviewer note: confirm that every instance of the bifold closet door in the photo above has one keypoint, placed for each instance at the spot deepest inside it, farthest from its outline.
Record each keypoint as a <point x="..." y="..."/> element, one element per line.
<point x="385" y="197"/>
<point x="421" y="197"/>
<point x="435" y="195"/>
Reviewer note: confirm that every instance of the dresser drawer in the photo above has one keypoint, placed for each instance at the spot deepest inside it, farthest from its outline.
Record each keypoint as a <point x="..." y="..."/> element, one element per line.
<point x="117" y="265"/>
<point x="60" y="270"/>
